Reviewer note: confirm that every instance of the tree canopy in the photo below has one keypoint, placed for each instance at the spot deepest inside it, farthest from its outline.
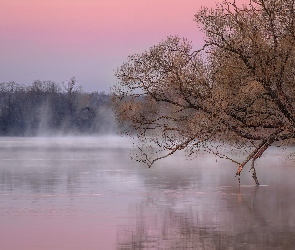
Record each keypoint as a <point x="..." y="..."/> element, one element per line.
<point x="237" y="90"/>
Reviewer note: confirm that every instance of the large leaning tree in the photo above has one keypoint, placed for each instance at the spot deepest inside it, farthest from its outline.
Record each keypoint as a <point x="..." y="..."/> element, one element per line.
<point x="238" y="90"/>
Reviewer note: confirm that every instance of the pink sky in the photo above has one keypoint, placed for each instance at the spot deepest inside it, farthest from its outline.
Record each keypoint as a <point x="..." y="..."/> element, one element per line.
<point x="89" y="39"/>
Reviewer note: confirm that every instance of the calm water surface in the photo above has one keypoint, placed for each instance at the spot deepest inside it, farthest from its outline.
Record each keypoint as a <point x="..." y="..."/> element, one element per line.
<point x="86" y="193"/>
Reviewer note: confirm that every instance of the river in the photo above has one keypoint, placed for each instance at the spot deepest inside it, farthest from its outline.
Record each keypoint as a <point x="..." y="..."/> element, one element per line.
<point x="85" y="193"/>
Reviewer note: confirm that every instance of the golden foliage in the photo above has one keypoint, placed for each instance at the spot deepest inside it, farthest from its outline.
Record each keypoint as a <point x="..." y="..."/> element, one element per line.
<point x="238" y="89"/>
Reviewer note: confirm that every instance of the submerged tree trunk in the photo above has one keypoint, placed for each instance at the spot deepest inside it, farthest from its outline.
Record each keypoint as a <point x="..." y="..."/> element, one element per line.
<point x="254" y="172"/>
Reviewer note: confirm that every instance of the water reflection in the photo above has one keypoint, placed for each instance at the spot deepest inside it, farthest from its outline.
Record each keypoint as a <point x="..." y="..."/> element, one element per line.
<point x="85" y="193"/>
<point x="247" y="218"/>
<point x="211" y="215"/>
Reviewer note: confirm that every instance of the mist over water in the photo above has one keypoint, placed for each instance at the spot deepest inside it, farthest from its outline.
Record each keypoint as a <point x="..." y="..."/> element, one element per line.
<point x="46" y="108"/>
<point x="86" y="193"/>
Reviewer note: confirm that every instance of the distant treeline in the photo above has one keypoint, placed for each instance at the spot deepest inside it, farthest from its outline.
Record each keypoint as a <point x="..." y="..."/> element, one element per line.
<point x="48" y="108"/>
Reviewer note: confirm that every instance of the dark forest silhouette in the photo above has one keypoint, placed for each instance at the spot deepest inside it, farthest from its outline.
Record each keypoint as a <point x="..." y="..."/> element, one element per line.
<point x="48" y="108"/>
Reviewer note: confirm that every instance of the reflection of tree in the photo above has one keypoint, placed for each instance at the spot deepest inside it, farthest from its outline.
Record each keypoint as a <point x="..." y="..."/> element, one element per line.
<point x="241" y="219"/>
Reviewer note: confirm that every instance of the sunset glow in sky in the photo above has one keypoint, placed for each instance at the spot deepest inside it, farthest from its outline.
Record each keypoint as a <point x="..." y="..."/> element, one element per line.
<point x="88" y="39"/>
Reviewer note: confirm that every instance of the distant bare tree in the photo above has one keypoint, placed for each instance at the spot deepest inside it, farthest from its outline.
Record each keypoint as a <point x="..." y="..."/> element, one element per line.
<point x="237" y="90"/>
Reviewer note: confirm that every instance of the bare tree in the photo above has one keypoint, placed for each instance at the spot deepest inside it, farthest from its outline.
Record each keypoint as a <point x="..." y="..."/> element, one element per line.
<point x="238" y="90"/>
